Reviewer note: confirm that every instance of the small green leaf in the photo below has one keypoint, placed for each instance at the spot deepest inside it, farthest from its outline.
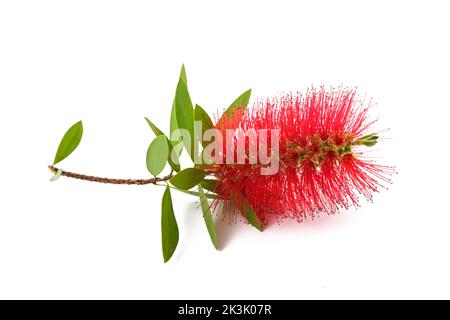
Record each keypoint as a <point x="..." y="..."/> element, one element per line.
<point x="370" y="143"/>
<point x="154" y="128"/>
<point x="208" y="217"/>
<point x="202" y="116"/>
<point x="240" y="102"/>
<point x="185" y="115"/>
<point x="157" y="155"/>
<point x="187" y="178"/>
<point x="174" y="162"/>
<point x="69" y="142"/>
<point x="211" y="196"/>
<point x="251" y="216"/>
<point x="169" y="227"/>
<point x="209" y="184"/>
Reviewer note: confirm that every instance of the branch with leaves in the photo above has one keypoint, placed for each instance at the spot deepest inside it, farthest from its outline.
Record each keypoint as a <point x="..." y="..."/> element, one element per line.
<point x="316" y="158"/>
<point x="163" y="151"/>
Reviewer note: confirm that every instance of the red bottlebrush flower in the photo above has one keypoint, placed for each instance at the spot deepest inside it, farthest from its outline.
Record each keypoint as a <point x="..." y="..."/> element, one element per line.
<point x="322" y="139"/>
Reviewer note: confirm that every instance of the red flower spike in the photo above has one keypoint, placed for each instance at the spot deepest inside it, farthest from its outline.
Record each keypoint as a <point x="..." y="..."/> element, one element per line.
<point x="322" y="139"/>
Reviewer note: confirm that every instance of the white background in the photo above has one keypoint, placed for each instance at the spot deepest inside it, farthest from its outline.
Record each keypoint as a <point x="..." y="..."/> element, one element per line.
<point x="111" y="63"/>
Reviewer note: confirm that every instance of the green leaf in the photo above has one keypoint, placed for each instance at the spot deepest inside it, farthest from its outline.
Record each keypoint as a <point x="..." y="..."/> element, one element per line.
<point x="154" y="128"/>
<point x="157" y="155"/>
<point x="175" y="161"/>
<point x="369" y="143"/>
<point x="200" y="115"/>
<point x="211" y="196"/>
<point x="240" y="102"/>
<point x="251" y="216"/>
<point x="173" y="124"/>
<point x="187" y="178"/>
<point x="178" y="146"/>
<point x="208" y="184"/>
<point x="169" y="227"/>
<point x="208" y="218"/>
<point x="185" y="115"/>
<point x="183" y="74"/>
<point x="69" y="142"/>
<point x="176" y="143"/>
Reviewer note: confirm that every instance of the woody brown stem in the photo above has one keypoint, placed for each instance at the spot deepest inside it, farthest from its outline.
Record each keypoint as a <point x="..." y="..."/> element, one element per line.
<point x="110" y="180"/>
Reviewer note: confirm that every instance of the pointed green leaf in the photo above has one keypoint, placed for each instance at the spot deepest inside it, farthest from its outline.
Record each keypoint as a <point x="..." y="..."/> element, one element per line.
<point x="240" y="102"/>
<point x="202" y="116"/>
<point x="169" y="227"/>
<point x="185" y="115"/>
<point x="173" y="118"/>
<point x="157" y="155"/>
<point x="369" y="143"/>
<point x="178" y="146"/>
<point x="208" y="218"/>
<point x="173" y="159"/>
<point x="208" y="184"/>
<point x="187" y="178"/>
<point x="183" y="74"/>
<point x="211" y="196"/>
<point x="154" y="128"/>
<point x="69" y="142"/>
<point x="176" y="143"/>
<point x="251" y="216"/>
